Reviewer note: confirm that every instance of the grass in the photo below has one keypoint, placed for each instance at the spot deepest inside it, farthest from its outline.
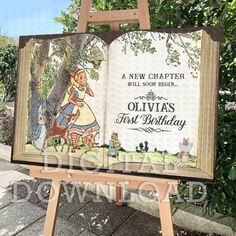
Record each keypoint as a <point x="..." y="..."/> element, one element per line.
<point x="96" y="155"/>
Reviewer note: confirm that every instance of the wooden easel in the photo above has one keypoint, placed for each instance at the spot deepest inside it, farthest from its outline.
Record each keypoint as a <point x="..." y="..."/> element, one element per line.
<point x="164" y="187"/>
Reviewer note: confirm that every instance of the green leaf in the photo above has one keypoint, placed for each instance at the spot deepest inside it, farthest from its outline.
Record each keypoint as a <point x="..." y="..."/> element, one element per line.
<point x="232" y="173"/>
<point x="94" y="74"/>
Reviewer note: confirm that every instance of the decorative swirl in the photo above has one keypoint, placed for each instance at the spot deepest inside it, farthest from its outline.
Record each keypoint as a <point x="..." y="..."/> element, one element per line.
<point x="150" y="130"/>
<point x="151" y="96"/>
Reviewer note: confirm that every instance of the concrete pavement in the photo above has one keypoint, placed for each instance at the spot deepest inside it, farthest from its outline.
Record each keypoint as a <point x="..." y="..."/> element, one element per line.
<point x="80" y="212"/>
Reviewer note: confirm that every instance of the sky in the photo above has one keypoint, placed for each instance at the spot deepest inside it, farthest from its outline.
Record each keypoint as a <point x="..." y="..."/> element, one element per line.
<point x="30" y="17"/>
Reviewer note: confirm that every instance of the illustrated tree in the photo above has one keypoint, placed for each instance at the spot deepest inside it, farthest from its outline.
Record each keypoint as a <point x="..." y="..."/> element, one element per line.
<point x="137" y="42"/>
<point x="141" y="146"/>
<point x="141" y="42"/>
<point x="221" y="195"/>
<point x="146" y="146"/>
<point x="50" y="70"/>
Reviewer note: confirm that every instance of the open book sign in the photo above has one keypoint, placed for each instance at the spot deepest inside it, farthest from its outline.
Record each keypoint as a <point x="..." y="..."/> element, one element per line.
<point x="140" y="102"/>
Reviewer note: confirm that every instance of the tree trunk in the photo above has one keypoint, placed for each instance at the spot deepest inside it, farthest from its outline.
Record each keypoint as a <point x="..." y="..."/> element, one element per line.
<point x="40" y="58"/>
<point x="57" y="93"/>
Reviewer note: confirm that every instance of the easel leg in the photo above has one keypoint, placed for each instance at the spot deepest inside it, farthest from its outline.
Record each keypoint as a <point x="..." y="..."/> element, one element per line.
<point x="119" y="196"/>
<point x="165" y="213"/>
<point x="51" y="215"/>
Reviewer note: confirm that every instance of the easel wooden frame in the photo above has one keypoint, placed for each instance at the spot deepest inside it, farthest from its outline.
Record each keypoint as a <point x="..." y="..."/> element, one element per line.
<point x="164" y="187"/>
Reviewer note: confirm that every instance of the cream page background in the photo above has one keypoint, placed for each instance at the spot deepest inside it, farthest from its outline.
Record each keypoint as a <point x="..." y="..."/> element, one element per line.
<point x="185" y="96"/>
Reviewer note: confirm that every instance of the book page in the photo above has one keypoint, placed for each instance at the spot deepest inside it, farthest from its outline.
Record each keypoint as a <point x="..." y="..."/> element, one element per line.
<point x="66" y="103"/>
<point x="153" y="101"/>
